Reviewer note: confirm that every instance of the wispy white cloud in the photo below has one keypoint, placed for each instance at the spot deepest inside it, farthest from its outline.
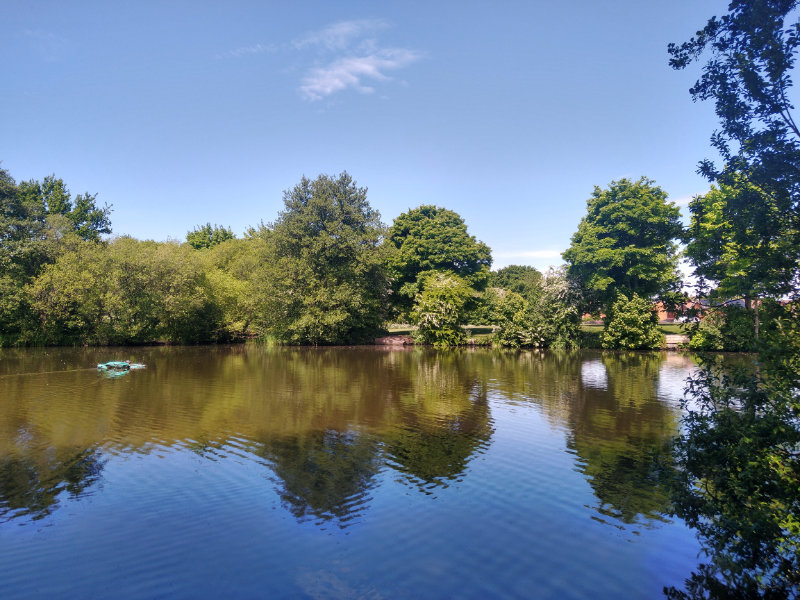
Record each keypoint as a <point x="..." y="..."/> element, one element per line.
<point x="343" y="55"/>
<point x="352" y="71"/>
<point x="248" y="51"/>
<point x="349" y="56"/>
<point x="528" y="254"/>
<point x="339" y="36"/>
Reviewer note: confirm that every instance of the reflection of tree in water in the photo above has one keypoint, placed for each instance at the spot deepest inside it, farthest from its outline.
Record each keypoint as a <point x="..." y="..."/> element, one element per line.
<point x="324" y="474"/>
<point x="32" y="487"/>
<point x="628" y="476"/>
<point x="622" y="435"/>
<point x="430" y="415"/>
<point x="614" y="421"/>
<point x="435" y="451"/>
<point x="434" y="445"/>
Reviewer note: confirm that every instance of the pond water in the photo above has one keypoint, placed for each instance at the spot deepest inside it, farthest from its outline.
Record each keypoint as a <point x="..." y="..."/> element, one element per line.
<point x="257" y="472"/>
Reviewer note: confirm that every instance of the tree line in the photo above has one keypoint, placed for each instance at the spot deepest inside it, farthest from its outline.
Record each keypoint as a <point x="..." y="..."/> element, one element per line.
<point x="328" y="271"/>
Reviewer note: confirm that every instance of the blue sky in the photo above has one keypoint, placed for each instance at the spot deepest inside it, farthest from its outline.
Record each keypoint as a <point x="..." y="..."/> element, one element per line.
<point x="509" y="113"/>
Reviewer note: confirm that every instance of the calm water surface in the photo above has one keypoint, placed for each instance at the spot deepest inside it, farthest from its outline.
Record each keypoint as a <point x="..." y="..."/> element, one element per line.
<point x="338" y="473"/>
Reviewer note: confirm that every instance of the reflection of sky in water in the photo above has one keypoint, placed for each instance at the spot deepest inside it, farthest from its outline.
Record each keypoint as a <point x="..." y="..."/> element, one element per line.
<point x="672" y="376"/>
<point x="347" y="473"/>
<point x="593" y="374"/>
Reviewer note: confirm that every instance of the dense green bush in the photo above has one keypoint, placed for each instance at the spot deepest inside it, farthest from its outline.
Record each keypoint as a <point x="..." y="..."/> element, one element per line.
<point x="124" y="292"/>
<point x="440" y="308"/>
<point x="512" y="315"/>
<point x="548" y="317"/>
<point x="555" y="313"/>
<point x="632" y="325"/>
<point x="725" y="328"/>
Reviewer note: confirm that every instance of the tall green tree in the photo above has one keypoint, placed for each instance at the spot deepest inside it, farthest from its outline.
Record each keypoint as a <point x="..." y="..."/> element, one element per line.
<point x="22" y="231"/>
<point x="52" y="197"/>
<point x="20" y="251"/>
<point x="738" y="460"/>
<point x="521" y="279"/>
<point x="323" y="280"/>
<point x="737" y="258"/>
<point x="206" y="236"/>
<point x="38" y="221"/>
<point x="626" y="243"/>
<point x="432" y="238"/>
<point x="736" y="265"/>
<point x="748" y="75"/>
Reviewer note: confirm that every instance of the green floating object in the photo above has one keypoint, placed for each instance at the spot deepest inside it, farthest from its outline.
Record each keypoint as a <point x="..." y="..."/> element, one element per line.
<point x="119" y="366"/>
<point x="114" y="365"/>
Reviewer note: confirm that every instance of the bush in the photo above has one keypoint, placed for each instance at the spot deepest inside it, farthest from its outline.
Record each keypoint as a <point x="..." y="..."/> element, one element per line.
<point x="728" y="328"/>
<point x="124" y="292"/>
<point x="439" y="310"/>
<point x="547" y="319"/>
<point x="512" y="316"/>
<point x="555" y="316"/>
<point x="632" y="325"/>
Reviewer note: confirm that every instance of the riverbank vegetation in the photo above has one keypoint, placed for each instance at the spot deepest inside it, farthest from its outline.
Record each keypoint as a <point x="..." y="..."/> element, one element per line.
<point x="326" y="271"/>
<point x="329" y="271"/>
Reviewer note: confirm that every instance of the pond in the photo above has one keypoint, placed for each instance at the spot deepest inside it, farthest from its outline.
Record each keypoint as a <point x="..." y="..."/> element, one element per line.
<point x="254" y="472"/>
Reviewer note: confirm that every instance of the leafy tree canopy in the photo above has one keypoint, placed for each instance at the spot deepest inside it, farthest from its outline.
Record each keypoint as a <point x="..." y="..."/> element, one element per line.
<point x="323" y="280"/>
<point x="206" y="236"/>
<point x="431" y="238"/>
<point x="21" y="231"/>
<point x="521" y="279"/>
<point x="751" y="55"/>
<point x="51" y="197"/>
<point x="742" y="260"/>
<point x="739" y="466"/>
<point x="626" y="243"/>
<point x="38" y="220"/>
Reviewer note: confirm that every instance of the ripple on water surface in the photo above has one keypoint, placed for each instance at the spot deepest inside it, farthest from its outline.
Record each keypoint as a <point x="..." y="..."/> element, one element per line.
<point x="338" y="474"/>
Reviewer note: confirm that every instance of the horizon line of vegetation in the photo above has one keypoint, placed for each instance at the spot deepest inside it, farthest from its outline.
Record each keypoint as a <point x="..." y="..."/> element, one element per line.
<point x="327" y="271"/>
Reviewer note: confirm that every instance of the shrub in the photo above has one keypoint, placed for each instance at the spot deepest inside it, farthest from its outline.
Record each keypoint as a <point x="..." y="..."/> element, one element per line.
<point x="632" y="325"/>
<point x="439" y="309"/>
<point x="547" y="319"/>
<point x="729" y="328"/>
<point x="512" y="316"/>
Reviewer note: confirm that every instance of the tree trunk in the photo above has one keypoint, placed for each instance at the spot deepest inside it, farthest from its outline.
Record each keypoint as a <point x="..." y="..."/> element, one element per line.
<point x="751" y="303"/>
<point x="758" y="304"/>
